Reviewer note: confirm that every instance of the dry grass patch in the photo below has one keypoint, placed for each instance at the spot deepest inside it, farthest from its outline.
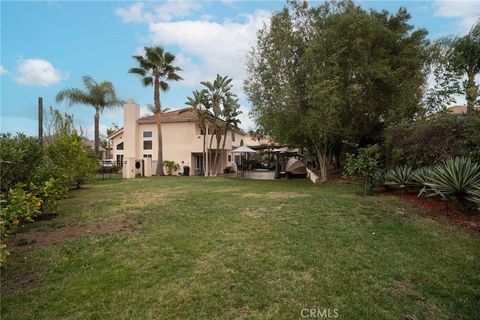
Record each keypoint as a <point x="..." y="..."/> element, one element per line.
<point x="36" y="237"/>
<point x="275" y="195"/>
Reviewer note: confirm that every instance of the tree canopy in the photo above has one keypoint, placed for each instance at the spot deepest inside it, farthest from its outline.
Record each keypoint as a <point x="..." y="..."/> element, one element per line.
<point x="319" y="76"/>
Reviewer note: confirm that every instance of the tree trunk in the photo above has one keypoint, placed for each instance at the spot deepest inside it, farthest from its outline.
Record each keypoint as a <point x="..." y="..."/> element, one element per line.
<point x="218" y="138"/>
<point x="158" y="120"/>
<point x="471" y="91"/>
<point x="209" y="167"/>
<point x="322" y="157"/>
<point x="97" y="129"/>
<point x="204" y="164"/>
<point x="223" y="148"/>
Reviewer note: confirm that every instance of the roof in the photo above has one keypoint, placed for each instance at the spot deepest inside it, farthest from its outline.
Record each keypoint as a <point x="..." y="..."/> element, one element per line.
<point x="459" y="109"/>
<point x="115" y="133"/>
<point x="91" y="144"/>
<point x="179" y="115"/>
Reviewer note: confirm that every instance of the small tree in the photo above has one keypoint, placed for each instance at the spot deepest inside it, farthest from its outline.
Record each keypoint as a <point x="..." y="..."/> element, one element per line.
<point x="365" y="163"/>
<point x="171" y="166"/>
<point x="70" y="160"/>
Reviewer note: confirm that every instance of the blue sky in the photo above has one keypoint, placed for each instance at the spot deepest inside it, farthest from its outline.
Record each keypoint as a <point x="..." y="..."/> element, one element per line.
<point x="47" y="46"/>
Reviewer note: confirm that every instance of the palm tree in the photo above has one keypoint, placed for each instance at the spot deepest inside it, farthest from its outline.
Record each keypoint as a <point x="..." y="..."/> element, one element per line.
<point x="197" y="102"/>
<point x="155" y="69"/>
<point x="463" y="55"/>
<point x="224" y="108"/>
<point x="98" y="95"/>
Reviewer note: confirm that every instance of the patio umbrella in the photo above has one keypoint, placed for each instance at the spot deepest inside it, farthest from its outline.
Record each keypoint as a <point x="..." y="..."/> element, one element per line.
<point x="244" y="150"/>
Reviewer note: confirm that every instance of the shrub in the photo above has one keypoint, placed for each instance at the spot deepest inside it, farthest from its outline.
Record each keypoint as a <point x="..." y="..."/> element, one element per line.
<point x="71" y="162"/>
<point x="365" y="163"/>
<point x="456" y="179"/>
<point x="50" y="191"/>
<point x="20" y="158"/>
<point x="20" y="205"/>
<point x="171" y="166"/>
<point x="423" y="142"/>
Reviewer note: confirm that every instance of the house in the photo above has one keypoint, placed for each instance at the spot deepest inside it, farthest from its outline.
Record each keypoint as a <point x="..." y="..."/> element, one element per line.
<point x="459" y="110"/>
<point x="91" y="144"/>
<point x="135" y="145"/>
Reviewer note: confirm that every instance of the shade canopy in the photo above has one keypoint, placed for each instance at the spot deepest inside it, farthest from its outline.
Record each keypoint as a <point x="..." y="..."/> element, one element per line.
<point x="244" y="149"/>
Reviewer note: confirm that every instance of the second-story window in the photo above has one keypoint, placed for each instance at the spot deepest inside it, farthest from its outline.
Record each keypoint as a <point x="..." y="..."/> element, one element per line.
<point x="147" y="134"/>
<point x="120" y="146"/>
<point x="233" y="136"/>
<point x="147" y="145"/>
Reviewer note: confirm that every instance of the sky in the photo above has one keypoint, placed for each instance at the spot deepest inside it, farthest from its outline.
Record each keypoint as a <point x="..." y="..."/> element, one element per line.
<point x="47" y="46"/>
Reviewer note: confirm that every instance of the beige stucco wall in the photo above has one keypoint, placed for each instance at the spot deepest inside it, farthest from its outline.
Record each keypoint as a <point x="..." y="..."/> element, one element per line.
<point x="180" y="140"/>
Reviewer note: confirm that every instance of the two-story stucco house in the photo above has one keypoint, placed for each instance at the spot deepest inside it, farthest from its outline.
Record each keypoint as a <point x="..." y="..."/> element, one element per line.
<point x="182" y="142"/>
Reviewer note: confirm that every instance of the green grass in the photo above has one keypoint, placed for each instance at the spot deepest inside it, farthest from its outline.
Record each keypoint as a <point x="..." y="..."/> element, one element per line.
<point x="244" y="249"/>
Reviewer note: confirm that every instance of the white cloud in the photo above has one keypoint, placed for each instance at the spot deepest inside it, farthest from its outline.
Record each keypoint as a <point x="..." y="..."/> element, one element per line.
<point x="2" y="70"/>
<point x="466" y="11"/>
<point x="38" y="72"/>
<point x="176" y="9"/>
<point x="134" y="13"/>
<point x="166" y="12"/>
<point x="220" y="47"/>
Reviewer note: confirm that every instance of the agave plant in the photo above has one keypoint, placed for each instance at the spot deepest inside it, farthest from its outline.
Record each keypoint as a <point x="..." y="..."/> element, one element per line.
<point x="400" y="175"/>
<point x="456" y="179"/>
<point x="379" y="177"/>
<point x="420" y="178"/>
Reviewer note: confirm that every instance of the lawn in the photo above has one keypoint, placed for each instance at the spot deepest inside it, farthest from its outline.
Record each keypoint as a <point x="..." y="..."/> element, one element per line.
<point x="195" y="248"/>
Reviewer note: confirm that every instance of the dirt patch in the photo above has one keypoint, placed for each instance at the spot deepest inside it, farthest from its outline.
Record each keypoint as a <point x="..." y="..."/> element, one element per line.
<point x="257" y="212"/>
<point x="402" y="288"/>
<point x="443" y="210"/>
<point x="253" y="213"/>
<point x="275" y="195"/>
<point x="36" y="237"/>
<point x="25" y="281"/>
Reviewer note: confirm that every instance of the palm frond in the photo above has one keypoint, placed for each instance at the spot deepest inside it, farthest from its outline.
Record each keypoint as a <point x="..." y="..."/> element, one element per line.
<point x="73" y="96"/>
<point x="147" y="81"/>
<point x="138" y="71"/>
<point x="164" y="86"/>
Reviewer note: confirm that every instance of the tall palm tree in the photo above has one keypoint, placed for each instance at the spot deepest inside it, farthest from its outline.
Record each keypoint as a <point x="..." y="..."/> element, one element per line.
<point x="98" y="95"/>
<point x="155" y="68"/>
<point x="463" y="54"/>
<point x="224" y="108"/>
<point x="197" y="102"/>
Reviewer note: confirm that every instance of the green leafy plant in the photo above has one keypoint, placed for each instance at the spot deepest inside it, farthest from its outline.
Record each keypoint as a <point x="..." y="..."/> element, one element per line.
<point x="420" y="177"/>
<point x="379" y="178"/>
<point x="50" y="191"/>
<point x="400" y="175"/>
<point x="456" y="179"/>
<point x="20" y="205"/>
<point x="171" y="166"/>
<point x="365" y="163"/>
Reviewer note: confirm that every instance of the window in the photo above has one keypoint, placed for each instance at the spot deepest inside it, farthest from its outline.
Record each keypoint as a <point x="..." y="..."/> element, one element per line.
<point x="147" y="155"/>
<point x="147" y="145"/>
<point x="229" y="158"/>
<point x="120" y="146"/>
<point x="120" y="160"/>
<point x="233" y="136"/>
<point x="241" y="143"/>
<point x="147" y="134"/>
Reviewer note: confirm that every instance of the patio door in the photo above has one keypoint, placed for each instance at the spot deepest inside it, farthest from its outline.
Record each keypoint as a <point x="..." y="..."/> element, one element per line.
<point x="197" y="163"/>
